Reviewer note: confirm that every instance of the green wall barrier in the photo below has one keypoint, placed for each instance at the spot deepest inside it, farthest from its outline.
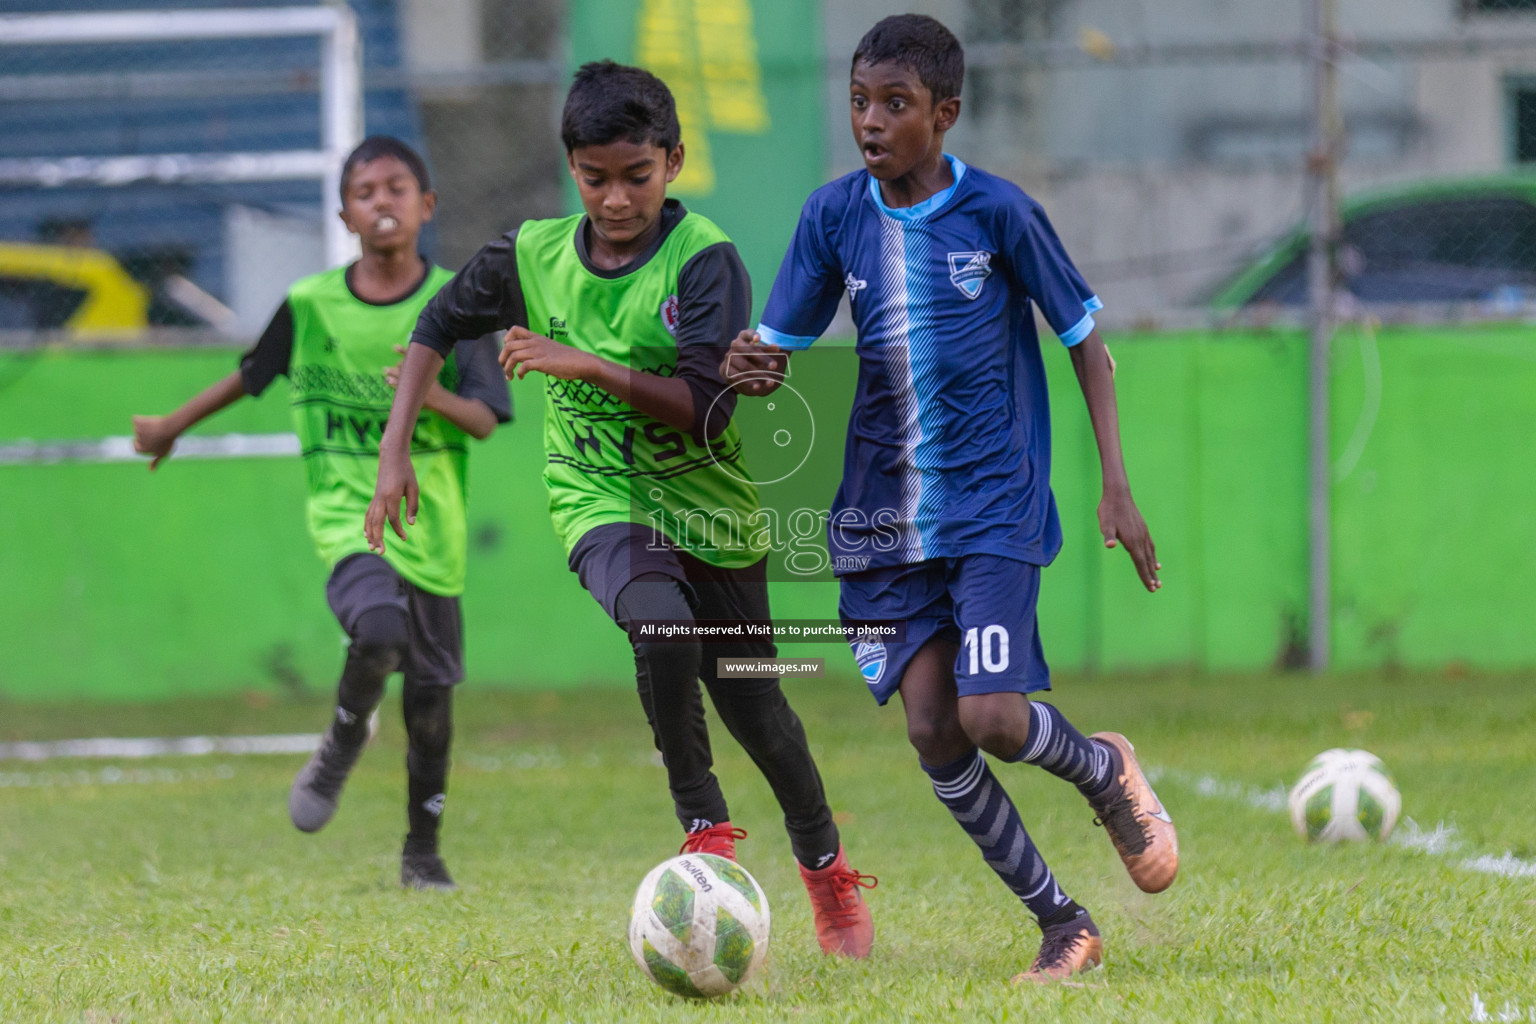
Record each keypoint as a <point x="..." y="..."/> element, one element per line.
<point x="200" y="578"/>
<point x="1432" y="485"/>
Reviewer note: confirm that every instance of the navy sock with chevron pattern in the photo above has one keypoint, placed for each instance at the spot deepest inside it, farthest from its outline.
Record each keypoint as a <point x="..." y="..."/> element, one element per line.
<point x="1060" y="749"/>
<point x="981" y="807"/>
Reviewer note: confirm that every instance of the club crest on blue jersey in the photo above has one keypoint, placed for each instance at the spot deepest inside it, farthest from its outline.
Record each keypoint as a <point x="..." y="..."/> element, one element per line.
<point x="969" y="270"/>
<point x="871" y="657"/>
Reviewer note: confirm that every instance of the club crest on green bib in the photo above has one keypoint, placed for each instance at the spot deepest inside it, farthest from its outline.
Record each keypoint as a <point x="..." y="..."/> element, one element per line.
<point x="670" y="314"/>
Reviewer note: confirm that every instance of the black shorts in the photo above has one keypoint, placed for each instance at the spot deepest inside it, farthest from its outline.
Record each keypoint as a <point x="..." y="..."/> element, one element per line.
<point x="435" y="656"/>
<point x="607" y="558"/>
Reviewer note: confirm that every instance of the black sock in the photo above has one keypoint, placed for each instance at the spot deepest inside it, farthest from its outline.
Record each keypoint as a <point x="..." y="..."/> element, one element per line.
<point x="427" y="782"/>
<point x="378" y="645"/>
<point x="429" y="726"/>
<point x="1066" y="913"/>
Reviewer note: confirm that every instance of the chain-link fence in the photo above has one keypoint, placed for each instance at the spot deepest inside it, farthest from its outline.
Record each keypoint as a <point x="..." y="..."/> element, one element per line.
<point x="1176" y="145"/>
<point x="1171" y="146"/>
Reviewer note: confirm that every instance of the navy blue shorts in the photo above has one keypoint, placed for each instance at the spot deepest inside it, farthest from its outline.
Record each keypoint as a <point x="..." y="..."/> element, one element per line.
<point x="985" y="603"/>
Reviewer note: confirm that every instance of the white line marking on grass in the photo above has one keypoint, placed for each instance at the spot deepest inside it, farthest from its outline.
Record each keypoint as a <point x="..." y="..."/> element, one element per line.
<point x="1440" y="841"/>
<point x="515" y="760"/>
<point x="179" y="746"/>
<point x="1508" y="1012"/>
<point x="120" y="449"/>
<point x="1272" y="799"/>
<point x="1507" y="866"/>
<point x="114" y="776"/>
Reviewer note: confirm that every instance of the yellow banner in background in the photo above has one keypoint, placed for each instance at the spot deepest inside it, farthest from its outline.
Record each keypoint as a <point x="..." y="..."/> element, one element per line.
<point x="706" y="52"/>
<point x="749" y="79"/>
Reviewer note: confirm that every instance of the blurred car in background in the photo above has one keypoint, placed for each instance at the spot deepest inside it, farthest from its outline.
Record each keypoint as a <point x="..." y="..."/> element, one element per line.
<point x="91" y="293"/>
<point x="1468" y="240"/>
<point x="66" y="287"/>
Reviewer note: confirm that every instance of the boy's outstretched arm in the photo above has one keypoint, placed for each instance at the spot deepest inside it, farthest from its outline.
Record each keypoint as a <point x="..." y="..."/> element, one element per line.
<point x="470" y="415"/>
<point x="397" y="478"/>
<point x="156" y="435"/>
<point x="1119" y="519"/>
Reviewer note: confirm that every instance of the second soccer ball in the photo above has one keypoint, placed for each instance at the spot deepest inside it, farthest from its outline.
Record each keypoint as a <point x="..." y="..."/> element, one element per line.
<point x="1345" y="795"/>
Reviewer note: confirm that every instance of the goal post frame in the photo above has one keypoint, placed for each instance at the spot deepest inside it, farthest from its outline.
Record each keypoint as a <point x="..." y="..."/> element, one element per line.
<point x="341" y="102"/>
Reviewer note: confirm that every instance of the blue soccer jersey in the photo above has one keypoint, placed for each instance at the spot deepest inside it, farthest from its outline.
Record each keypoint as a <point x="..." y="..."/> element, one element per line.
<point x="949" y="442"/>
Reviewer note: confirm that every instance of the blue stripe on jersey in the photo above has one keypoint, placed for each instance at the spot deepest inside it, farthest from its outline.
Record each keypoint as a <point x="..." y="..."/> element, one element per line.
<point x="927" y="380"/>
<point x="900" y="370"/>
<point x="911" y="354"/>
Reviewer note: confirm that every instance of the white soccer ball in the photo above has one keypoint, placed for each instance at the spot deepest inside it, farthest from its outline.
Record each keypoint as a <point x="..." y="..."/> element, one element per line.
<point x="699" y="925"/>
<point x="1345" y="795"/>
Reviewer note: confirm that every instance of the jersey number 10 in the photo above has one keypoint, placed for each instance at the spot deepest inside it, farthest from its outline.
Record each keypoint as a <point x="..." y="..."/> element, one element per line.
<point x="990" y="652"/>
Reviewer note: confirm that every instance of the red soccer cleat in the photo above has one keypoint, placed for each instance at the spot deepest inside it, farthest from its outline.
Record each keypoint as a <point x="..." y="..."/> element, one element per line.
<point x="719" y="840"/>
<point x="843" y="923"/>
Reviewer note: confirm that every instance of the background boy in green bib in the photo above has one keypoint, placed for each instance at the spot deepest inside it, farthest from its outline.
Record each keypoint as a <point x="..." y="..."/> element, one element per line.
<point x="627" y="311"/>
<point x="337" y="337"/>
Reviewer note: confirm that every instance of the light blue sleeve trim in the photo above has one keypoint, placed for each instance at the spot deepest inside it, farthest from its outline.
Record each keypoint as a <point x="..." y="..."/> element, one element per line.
<point x="788" y="342"/>
<point x="1094" y="304"/>
<point x="1078" y="331"/>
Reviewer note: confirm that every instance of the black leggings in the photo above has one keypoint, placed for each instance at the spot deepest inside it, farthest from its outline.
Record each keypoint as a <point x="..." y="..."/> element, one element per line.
<point x="753" y="710"/>
<point x="429" y="731"/>
<point x="380" y="640"/>
<point x="379" y="643"/>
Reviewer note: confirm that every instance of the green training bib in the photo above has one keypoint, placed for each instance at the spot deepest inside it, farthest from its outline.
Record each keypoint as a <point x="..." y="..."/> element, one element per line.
<point x="341" y="347"/>
<point x="608" y="462"/>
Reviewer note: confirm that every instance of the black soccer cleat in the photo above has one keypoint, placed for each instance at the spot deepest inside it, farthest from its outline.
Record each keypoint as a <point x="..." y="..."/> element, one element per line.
<point x="317" y="787"/>
<point x="425" y="871"/>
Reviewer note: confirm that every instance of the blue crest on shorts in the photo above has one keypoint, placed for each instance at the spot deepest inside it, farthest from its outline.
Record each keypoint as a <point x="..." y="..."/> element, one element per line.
<point x="871" y="658"/>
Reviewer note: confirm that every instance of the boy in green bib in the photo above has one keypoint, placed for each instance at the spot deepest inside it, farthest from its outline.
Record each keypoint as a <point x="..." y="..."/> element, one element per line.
<point x="628" y="310"/>
<point x="337" y="338"/>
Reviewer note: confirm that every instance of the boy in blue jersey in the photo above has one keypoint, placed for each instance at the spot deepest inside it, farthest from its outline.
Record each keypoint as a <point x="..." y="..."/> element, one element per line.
<point x="945" y="517"/>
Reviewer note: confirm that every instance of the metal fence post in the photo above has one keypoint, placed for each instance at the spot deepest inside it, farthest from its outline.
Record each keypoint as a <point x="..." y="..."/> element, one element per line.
<point x="1322" y="172"/>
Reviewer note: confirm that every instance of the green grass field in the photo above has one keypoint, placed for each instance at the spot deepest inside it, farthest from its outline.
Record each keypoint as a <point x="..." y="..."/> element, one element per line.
<point x="175" y="889"/>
